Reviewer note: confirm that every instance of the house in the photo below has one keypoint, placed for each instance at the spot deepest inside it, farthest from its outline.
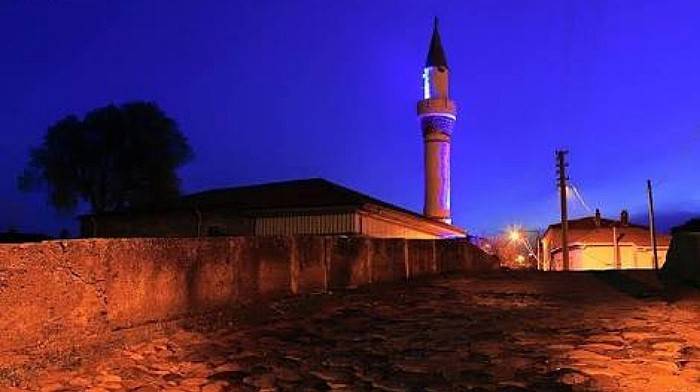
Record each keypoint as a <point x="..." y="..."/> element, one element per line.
<point x="310" y="206"/>
<point x="596" y="243"/>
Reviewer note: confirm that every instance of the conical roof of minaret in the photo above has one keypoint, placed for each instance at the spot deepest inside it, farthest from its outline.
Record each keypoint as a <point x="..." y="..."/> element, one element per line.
<point x="436" y="54"/>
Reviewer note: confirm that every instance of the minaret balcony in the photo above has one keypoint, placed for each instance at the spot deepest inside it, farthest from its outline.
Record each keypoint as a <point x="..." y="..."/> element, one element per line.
<point x="437" y="106"/>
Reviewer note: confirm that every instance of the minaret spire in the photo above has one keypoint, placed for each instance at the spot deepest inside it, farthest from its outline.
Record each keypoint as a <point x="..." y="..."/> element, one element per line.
<point x="436" y="54"/>
<point x="437" y="113"/>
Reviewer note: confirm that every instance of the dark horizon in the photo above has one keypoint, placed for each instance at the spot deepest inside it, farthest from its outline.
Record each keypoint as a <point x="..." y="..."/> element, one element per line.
<point x="282" y="91"/>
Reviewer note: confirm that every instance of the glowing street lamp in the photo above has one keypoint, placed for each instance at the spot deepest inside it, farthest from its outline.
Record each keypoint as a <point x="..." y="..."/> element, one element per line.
<point x="514" y="235"/>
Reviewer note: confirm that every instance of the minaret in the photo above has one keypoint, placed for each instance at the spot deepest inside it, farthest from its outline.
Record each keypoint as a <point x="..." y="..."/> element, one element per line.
<point x="437" y="115"/>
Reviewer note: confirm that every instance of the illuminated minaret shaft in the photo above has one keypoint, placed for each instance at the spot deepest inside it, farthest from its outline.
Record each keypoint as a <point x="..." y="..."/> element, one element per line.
<point x="437" y="115"/>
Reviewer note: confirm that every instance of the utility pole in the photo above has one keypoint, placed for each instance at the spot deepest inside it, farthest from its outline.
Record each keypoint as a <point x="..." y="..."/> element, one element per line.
<point x="652" y="226"/>
<point x="616" y="249"/>
<point x="562" y="181"/>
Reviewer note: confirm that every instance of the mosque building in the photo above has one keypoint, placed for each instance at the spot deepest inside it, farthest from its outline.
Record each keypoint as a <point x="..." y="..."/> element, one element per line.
<point x="313" y="206"/>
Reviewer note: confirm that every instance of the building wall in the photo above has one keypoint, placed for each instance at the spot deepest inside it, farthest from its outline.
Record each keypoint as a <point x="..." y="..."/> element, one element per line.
<point x="602" y="257"/>
<point x="546" y="258"/>
<point x="322" y="224"/>
<point x="644" y="258"/>
<point x="381" y="228"/>
<point x="594" y="258"/>
<point x="351" y="223"/>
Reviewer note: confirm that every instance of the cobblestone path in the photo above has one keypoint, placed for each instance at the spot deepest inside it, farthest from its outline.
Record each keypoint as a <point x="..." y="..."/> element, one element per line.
<point x="503" y="332"/>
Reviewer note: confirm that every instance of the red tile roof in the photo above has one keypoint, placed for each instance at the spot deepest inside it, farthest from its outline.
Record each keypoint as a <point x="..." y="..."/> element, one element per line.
<point x="589" y="223"/>
<point x="585" y="231"/>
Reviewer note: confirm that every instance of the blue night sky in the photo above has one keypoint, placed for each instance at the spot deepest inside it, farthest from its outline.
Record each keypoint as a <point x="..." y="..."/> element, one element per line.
<point x="275" y="90"/>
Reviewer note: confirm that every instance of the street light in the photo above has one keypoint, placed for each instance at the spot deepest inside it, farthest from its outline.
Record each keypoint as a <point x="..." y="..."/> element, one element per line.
<point x="515" y="235"/>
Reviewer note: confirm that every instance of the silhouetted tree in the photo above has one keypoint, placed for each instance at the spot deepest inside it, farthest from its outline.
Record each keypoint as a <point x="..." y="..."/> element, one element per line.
<point x="115" y="157"/>
<point x="692" y="225"/>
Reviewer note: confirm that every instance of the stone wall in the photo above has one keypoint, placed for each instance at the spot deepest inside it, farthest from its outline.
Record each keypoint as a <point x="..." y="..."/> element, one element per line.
<point x="59" y="294"/>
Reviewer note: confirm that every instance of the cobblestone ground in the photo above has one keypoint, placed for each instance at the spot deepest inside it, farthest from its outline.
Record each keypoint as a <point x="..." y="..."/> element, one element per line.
<point x="503" y="332"/>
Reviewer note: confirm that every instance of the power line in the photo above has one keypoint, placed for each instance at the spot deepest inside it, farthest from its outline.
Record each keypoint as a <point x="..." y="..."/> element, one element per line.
<point x="577" y="193"/>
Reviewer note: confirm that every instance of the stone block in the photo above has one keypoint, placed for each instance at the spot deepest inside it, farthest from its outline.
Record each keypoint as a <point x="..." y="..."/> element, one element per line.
<point x="47" y="299"/>
<point x="308" y="268"/>
<point x="149" y="279"/>
<point x="347" y="261"/>
<point x="213" y="278"/>
<point x="387" y="260"/>
<point x="272" y="256"/>
<point x="421" y="257"/>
